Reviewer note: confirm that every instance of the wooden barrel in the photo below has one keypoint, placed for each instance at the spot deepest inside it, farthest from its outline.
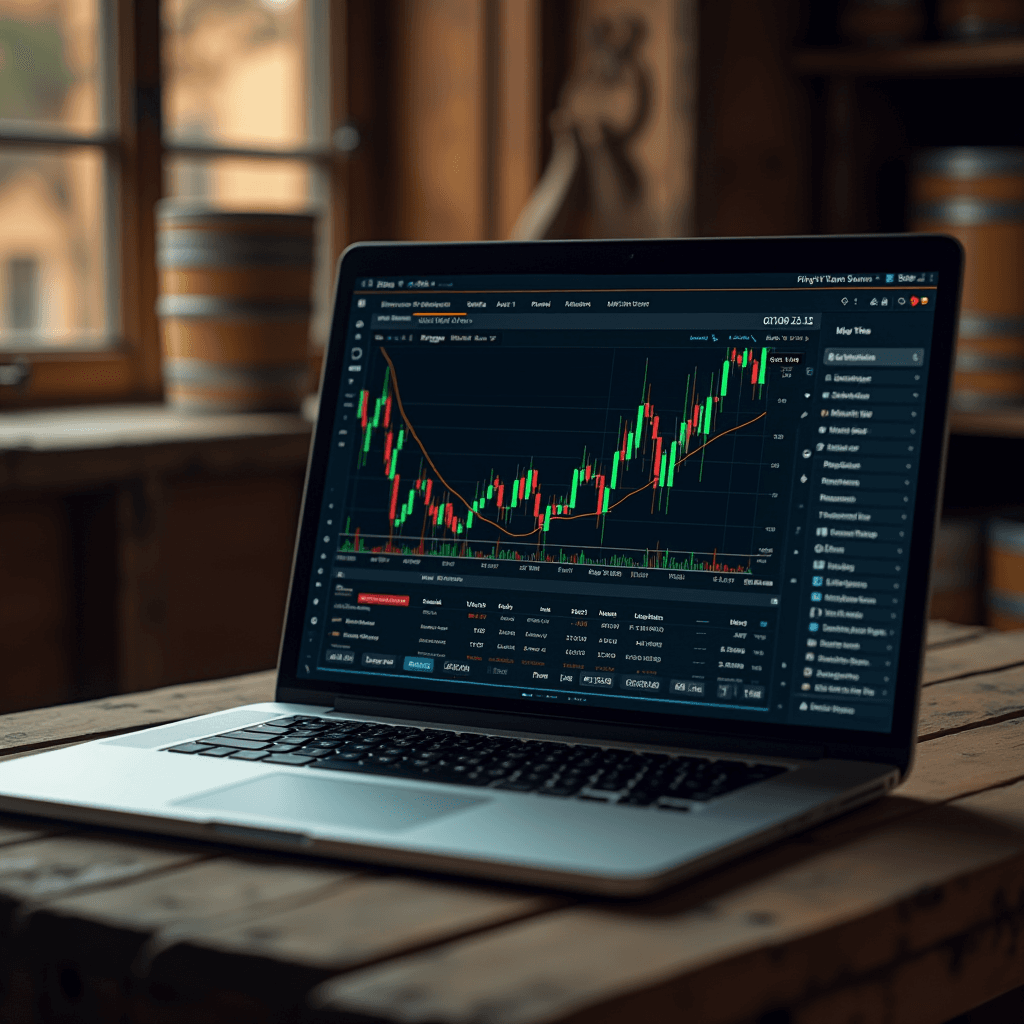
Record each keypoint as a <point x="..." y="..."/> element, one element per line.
<point x="956" y="571"/>
<point x="977" y="195"/>
<point x="1004" y="596"/>
<point x="980" y="19"/>
<point x="234" y="308"/>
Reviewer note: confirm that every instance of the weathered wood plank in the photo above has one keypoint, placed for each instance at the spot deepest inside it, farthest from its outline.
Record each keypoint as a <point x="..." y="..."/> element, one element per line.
<point x="34" y="872"/>
<point x="984" y="653"/>
<point x="45" y="869"/>
<point x="843" y="913"/>
<point x="941" y="632"/>
<point x="108" y="716"/>
<point x="75" y="954"/>
<point x="967" y="762"/>
<point x="950" y="978"/>
<point x="298" y="951"/>
<point x="933" y="987"/>
<point x="83" y="447"/>
<point x="272" y="962"/>
<point x="58" y="865"/>
<point x="970" y="702"/>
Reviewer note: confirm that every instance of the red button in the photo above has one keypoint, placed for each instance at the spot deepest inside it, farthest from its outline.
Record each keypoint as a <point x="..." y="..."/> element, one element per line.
<point x="392" y="600"/>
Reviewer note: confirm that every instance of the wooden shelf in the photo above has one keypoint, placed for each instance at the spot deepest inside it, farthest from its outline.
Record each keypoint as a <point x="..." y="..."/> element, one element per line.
<point x="993" y="57"/>
<point x="1006" y="423"/>
<point x="84" y="447"/>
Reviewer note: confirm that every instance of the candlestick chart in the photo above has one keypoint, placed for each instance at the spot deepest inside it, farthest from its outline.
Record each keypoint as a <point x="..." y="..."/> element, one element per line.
<point x="608" y="457"/>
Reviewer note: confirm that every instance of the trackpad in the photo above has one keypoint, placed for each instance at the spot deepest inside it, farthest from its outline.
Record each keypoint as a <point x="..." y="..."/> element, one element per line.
<point x="331" y="802"/>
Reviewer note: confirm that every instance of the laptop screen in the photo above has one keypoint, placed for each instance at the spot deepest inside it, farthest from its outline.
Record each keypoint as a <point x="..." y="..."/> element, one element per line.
<point x="682" y="494"/>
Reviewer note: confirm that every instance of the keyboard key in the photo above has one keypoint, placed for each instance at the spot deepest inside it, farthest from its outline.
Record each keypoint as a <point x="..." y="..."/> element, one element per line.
<point x="336" y="764"/>
<point x="294" y="759"/>
<point x="558" y="790"/>
<point x="255" y="732"/>
<point x="225" y="741"/>
<point x="189" y="748"/>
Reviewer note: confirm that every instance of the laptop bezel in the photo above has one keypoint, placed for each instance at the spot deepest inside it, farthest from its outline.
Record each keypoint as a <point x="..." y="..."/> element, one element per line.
<point x="835" y="254"/>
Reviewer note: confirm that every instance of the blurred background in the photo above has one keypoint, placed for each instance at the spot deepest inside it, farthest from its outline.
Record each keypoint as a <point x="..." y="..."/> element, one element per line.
<point x="146" y="541"/>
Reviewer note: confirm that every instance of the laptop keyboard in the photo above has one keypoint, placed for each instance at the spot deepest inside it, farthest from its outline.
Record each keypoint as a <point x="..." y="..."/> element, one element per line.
<point x="608" y="774"/>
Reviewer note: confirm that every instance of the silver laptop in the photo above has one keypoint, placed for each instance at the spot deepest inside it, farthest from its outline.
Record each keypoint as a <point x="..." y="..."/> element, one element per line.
<point x="613" y="564"/>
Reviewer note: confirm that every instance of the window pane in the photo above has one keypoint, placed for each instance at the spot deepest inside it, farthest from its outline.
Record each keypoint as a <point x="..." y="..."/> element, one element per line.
<point x="49" y="63"/>
<point x="52" y="228"/>
<point x="235" y="72"/>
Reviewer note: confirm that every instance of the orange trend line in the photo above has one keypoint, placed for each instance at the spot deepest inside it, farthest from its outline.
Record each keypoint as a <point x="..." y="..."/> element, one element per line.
<point x="554" y="519"/>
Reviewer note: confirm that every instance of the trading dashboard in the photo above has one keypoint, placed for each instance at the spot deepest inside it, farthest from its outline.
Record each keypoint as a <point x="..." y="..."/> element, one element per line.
<point x="687" y="495"/>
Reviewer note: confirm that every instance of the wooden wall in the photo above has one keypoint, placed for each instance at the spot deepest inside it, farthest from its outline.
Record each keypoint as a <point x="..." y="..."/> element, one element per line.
<point x="124" y="569"/>
<point x="754" y="152"/>
<point x="36" y="603"/>
<point x="448" y="95"/>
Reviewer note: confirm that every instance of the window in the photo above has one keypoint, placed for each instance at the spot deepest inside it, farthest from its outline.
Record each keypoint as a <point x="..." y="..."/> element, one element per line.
<point x="74" y="323"/>
<point x="58" y="133"/>
<point x="246" y="103"/>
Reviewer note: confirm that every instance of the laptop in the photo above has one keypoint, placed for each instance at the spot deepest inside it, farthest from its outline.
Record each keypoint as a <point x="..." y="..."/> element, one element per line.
<point x="612" y="565"/>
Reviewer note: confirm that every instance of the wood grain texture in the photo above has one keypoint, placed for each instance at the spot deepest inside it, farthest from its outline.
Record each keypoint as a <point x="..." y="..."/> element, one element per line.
<point x="108" y="716"/>
<point x="973" y="656"/>
<point x="75" y="954"/>
<point x="952" y="976"/>
<point x="70" y="449"/>
<point x="967" y="762"/>
<point x="438" y="133"/>
<point x="753" y="170"/>
<point x="141" y="570"/>
<point x="845" y="912"/>
<point x="36" y="606"/>
<point x="970" y="702"/>
<point x="61" y="864"/>
<point x="949" y="979"/>
<point x="518" y="126"/>
<point x="941" y="632"/>
<point x="274" y="961"/>
<point x="213" y="533"/>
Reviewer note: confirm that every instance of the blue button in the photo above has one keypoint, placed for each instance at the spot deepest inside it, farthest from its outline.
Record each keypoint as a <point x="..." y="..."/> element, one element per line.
<point x="418" y="665"/>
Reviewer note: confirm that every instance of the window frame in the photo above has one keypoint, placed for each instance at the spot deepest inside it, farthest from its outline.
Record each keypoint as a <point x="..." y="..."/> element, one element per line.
<point x="133" y="147"/>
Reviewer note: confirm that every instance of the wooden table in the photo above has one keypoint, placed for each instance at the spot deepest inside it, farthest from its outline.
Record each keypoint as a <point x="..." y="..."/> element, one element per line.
<point x="910" y="910"/>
